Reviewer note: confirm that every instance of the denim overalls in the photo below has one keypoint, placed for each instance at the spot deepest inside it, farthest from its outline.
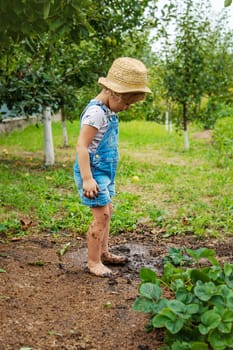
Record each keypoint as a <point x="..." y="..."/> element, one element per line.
<point x="103" y="163"/>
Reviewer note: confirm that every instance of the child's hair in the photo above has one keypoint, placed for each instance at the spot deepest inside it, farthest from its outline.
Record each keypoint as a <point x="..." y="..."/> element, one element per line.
<point x="128" y="95"/>
<point x="126" y="75"/>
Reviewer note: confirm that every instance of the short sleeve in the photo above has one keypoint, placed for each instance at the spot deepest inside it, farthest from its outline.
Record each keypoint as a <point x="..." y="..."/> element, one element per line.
<point x="94" y="116"/>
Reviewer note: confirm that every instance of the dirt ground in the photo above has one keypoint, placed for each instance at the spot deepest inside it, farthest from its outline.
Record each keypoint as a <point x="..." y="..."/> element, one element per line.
<point x="48" y="303"/>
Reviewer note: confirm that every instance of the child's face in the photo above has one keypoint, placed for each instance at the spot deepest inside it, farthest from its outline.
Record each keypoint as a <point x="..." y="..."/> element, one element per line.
<point x="122" y="102"/>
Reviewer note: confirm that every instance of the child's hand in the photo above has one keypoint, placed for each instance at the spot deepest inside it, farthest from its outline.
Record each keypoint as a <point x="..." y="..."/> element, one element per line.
<point x="90" y="188"/>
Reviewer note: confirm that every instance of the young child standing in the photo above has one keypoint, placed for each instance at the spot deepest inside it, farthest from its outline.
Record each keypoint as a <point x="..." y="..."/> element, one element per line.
<point x="97" y="154"/>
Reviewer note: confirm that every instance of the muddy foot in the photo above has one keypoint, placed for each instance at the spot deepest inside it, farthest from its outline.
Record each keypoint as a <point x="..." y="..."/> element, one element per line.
<point x="99" y="270"/>
<point x="109" y="258"/>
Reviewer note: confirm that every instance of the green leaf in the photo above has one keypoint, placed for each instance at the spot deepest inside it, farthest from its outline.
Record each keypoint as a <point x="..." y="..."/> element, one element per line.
<point x="227" y="3"/>
<point x="218" y="340"/>
<point x="227" y="316"/>
<point x="177" y="306"/>
<point x="204" y="291"/>
<point x="2" y="270"/>
<point x="183" y="295"/>
<point x="143" y="304"/>
<point x="163" y="317"/>
<point x="230" y="301"/>
<point x="46" y="9"/>
<point x="203" y="253"/>
<point x="225" y="327"/>
<point x="175" y="327"/>
<point x="3" y="227"/>
<point x="228" y="269"/>
<point x="174" y="256"/>
<point x="162" y="304"/>
<point x="147" y="275"/>
<point x="199" y="275"/>
<point x="214" y="273"/>
<point x="192" y="308"/>
<point x="55" y="25"/>
<point x="210" y="320"/>
<point x="199" y="346"/>
<point x="150" y="291"/>
<point x="180" y="345"/>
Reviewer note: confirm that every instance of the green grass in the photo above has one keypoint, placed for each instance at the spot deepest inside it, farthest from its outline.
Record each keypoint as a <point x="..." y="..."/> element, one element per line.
<point x="177" y="191"/>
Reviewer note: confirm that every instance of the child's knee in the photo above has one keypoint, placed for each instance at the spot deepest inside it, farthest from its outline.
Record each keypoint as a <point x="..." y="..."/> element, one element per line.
<point x="103" y="219"/>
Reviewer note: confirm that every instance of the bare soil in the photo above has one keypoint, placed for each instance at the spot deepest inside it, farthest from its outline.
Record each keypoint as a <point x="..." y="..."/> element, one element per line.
<point x="51" y="303"/>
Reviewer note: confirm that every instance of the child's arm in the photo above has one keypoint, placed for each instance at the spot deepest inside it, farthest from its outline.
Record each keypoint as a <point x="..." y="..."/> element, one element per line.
<point x="90" y="187"/>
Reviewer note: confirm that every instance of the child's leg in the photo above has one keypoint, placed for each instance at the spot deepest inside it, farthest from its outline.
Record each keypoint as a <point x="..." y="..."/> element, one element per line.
<point x="106" y="256"/>
<point x="95" y="236"/>
<point x="104" y="248"/>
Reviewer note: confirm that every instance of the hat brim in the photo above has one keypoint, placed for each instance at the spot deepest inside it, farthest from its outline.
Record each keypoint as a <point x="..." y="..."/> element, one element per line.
<point x="105" y="82"/>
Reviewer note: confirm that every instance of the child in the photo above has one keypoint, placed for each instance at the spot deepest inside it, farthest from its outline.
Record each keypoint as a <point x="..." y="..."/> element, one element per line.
<point x="97" y="154"/>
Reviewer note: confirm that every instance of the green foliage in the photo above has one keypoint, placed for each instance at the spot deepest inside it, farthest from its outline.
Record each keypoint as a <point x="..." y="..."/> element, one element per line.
<point x="223" y="137"/>
<point x="21" y="19"/>
<point x="199" y="316"/>
<point x="213" y="111"/>
<point x="57" y="47"/>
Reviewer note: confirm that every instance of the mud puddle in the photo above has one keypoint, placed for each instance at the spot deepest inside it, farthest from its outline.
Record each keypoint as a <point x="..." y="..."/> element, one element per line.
<point x="138" y="256"/>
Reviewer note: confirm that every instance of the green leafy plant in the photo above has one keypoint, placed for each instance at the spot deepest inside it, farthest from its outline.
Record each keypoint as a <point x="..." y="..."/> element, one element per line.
<point x="199" y="314"/>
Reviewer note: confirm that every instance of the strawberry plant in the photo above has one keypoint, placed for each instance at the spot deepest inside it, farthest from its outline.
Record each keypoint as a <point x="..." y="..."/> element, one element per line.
<point x="199" y="314"/>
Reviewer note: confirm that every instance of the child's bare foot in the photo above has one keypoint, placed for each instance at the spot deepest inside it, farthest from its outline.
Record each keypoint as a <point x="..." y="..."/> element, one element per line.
<point x="113" y="259"/>
<point x="99" y="270"/>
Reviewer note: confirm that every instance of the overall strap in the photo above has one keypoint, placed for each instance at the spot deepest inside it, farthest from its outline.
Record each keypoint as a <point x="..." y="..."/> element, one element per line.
<point x="94" y="103"/>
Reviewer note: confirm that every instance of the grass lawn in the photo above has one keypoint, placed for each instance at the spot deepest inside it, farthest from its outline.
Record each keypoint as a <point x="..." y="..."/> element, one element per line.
<point x="158" y="183"/>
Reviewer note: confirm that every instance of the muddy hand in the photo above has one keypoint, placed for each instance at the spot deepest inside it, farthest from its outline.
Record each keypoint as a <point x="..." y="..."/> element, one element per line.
<point x="90" y="189"/>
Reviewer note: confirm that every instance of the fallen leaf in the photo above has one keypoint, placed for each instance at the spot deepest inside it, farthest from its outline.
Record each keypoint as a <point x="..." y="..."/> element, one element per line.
<point x="25" y="224"/>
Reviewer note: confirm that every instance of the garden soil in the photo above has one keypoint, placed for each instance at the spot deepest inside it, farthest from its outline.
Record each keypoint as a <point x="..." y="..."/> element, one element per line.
<point x="52" y="302"/>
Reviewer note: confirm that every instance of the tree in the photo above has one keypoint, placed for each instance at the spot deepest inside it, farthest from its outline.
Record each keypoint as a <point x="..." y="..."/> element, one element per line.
<point x="185" y="64"/>
<point x="189" y="60"/>
<point x="53" y="32"/>
<point x="219" y="73"/>
<point x="23" y="20"/>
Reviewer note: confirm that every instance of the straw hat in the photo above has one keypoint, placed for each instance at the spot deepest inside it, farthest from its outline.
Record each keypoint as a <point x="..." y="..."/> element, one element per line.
<point x="126" y="75"/>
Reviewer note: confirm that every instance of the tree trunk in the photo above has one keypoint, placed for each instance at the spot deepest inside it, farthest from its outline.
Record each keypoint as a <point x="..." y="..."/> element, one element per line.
<point x="170" y="127"/>
<point x="166" y="120"/>
<point x="185" y="125"/>
<point x="64" y="129"/>
<point x="49" y="158"/>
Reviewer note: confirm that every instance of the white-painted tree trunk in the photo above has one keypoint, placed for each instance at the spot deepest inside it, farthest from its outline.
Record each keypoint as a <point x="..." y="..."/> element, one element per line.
<point x="166" y="120"/>
<point x="186" y="140"/>
<point x="48" y="137"/>
<point x="170" y="127"/>
<point x="65" y="134"/>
